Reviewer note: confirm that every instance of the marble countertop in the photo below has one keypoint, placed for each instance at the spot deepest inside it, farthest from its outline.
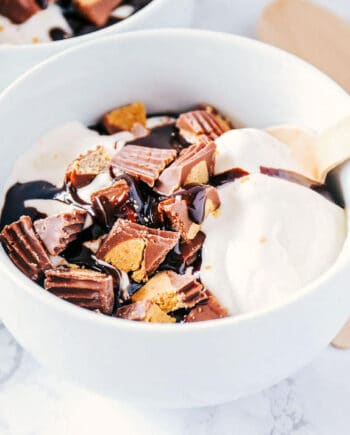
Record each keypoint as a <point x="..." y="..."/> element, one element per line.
<point x="315" y="401"/>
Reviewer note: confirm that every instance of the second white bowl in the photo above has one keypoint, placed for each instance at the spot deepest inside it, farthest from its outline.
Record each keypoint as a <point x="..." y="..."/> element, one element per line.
<point x="16" y="59"/>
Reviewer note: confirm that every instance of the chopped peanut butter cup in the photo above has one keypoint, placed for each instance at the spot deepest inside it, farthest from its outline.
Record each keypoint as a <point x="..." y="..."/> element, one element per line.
<point x="19" y="11"/>
<point x="125" y="118"/>
<point x="97" y="11"/>
<point x="86" y="167"/>
<point x="193" y="125"/>
<point x="207" y="310"/>
<point x="187" y="209"/>
<point x="194" y="166"/>
<point x="171" y="291"/>
<point x="25" y="248"/>
<point x="176" y="212"/>
<point x="83" y="287"/>
<point x="135" y="248"/>
<point x="57" y="231"/>
<point x="106" y="202"/>
<point x="143" y="163"/>
<point x="189" y="249"/>
<point x="144" y="311"/>
<point x="224" y="122"/>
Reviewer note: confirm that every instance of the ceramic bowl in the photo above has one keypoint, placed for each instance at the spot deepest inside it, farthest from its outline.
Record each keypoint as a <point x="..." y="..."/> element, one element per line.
<point x="187" y="365"/>
<point x="16" y="59"/>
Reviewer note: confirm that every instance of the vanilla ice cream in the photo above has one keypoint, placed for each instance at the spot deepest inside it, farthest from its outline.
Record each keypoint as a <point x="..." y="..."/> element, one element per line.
<point x="269" y="239"/>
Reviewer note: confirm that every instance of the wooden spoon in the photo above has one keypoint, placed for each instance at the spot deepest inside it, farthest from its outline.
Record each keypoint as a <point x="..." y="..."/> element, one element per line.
<point x="311" y="32"/>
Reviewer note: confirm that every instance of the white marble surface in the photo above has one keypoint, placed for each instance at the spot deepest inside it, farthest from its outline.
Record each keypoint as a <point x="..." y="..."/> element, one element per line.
<point x="313" y="402"/>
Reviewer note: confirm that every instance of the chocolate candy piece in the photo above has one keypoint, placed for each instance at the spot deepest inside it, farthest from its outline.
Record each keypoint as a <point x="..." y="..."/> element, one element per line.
<point x="144" y="311"/>
<point x="124" y="118"/>
<point x="135" y="248"/>
<point x="224" y="122"/>
<point x="18" y="11"/>
<point x="189" y="249"/>
<point x="194" y="166"/>
<point x="143" y="163"/>
<point x="208" y="310"/>
<point x="187" y="209"/>
<point x="106" y="202"/>
<point x="171" y="291"/>
<point x="84" y="169"/>
<point x="176" y="212"/>
<point x="83" y="287"/>
<point x="25" y="248"/>
<point x="57" y="231"/>
<point x="193" y="125"/>
<point x="97" y="11"/>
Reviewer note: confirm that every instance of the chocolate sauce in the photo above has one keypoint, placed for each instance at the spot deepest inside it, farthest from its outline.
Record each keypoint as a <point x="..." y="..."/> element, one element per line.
<point x="16" y="196"/>
<point x="165" y="137"/>
<point x="227" y="177"/>
<point x="195" y="198"/>
<point x="143" y="203"/>
<point x="57" y="34"/>
<point x="295" y="177"/>
<point x="174" y="261"/>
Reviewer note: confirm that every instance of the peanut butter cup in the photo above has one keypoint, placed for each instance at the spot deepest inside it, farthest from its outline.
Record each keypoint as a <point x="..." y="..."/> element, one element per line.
<point x="136" y="248"/>
<point x="194" y="166"/>
<point x="144" y="311"/>
<point x="57" y="231"/>
<point x="85" y="168"/>
<point x="210" y="309"/>
<point x="83" y="287"/>
<point x="25" y="248"/>
<point x="143" y="163"/>
<point x="125" y="118"/>
<point x="171" y="291"/>
<point x="187" y="209"/>
<point x="197" y="123"/>
<point x="107" y="201"/>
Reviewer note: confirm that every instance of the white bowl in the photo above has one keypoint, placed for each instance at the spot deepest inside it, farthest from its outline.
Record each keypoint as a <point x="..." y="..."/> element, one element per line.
<point x="16" y="59"/>
<point x="171" y="365"/>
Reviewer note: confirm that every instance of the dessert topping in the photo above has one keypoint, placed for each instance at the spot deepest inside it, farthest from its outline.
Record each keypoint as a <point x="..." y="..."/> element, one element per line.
<point x="86" y="167"/>
<point x="145" y="311"/>
<point x="25" y="248"/>
<point x="143" y="163"/>
<point x="171" y="291"/>
<point x="193" y="125"/>
<point x="58" y="230"/>
<point x="83" y="287"/>
<point x="97" y="11"/>
<point x="107" y="202"/>
<point x="124" y="118"/>
<point x="135" y="248"/>
<point x="208" y="310"/>
<point x="194" y="165"/>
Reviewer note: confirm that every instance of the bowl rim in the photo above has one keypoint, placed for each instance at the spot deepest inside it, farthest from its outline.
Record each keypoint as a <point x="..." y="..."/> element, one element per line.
<point x="10" y="271"/>
<point x="136" y="17"/>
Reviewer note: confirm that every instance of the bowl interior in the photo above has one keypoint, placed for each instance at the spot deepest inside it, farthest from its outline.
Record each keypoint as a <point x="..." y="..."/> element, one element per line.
<point x="168" y="70"/>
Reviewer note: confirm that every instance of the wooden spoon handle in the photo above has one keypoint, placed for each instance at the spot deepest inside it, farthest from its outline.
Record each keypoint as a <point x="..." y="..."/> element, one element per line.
<point x="312" y="33"/>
